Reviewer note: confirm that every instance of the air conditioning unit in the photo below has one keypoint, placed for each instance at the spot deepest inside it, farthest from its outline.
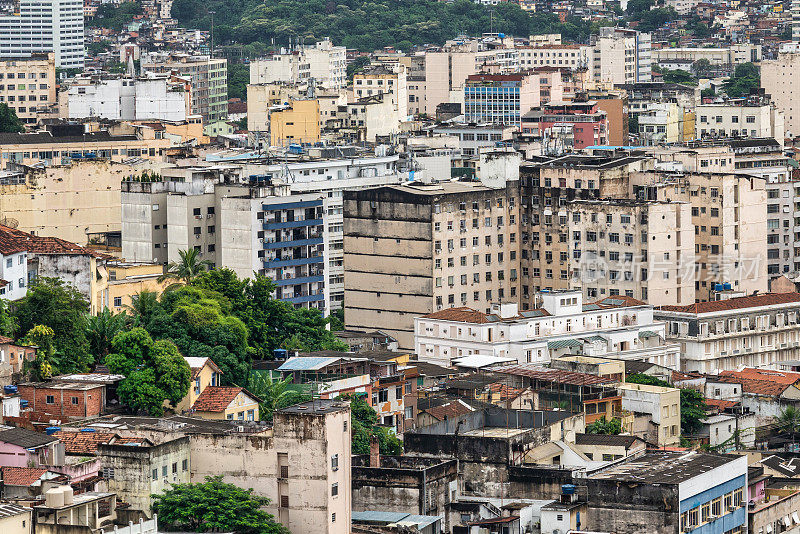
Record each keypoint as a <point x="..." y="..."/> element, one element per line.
<point x="209" y="215"/>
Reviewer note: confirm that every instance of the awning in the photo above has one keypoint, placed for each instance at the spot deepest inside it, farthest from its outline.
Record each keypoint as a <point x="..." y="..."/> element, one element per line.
<point x="563" y="343"/>
<point x="796" y="518"/>
<point x="592" y="339"/>
<point x="787" y="522"/>
<point x="648" y="333"/>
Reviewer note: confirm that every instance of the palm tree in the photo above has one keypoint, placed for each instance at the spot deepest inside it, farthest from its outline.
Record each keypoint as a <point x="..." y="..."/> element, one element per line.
<point x="100" y="331"/>
<point x="789" y="421"/>
<point x="274" y="394"/>
<point x="143" y="306"/>
<point x="189" y="266"/>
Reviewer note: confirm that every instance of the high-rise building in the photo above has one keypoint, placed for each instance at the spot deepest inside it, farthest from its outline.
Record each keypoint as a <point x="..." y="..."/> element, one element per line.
<point x="209" y="81"/>
<point x="417" y="248"/>
<point x="620" y="56"/>
<point x="502" y="98"/>
<point x="29" y="85"/>
<point x="323" y="62"/>
<point x="45" y="26"/>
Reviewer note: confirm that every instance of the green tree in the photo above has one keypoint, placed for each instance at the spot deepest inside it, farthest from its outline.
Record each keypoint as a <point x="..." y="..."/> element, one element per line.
<point x="789" y="421"/>
<point x="115" y="17"/>
<point x="143" y="307"/>
<point x="8" y="323"/>
<point x="9" y="122"/>
<point x="214" y="506"/>
<point x="41" y="337"/>
<point x="101" y="330"/>
<point x="364" y="425"/>
<point x="693" y="404"/>
<point x="238" y="78"/>
<point x="189" y="266"/>
<point x="602" y="426"/>
<point x="274" y="394"/>
<point x="708" y="92"/>
<point x="51" y="302"/>
<point x="701" y="67"/>
<point x="745" y="78"/>
<point x="678" y="76"/>
<point x="154" y="371"/>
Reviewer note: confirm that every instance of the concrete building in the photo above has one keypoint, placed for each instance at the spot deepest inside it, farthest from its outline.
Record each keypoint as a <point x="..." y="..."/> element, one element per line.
<point x="28" y="85"/>
<point x="209" y="81"/>
<point x="13" y="268"/>
<point x="643" y="95"/>
<point x="662" y="408"/>
<point x="381" y="80"/>
<point x="754" y="117"/>
<point x="54" y="26"/>
<point x="246" y="224"/>
<point x="299" y="122"/>
<point x="751" y="331"/>
<point x="564" y="127"/>
<point x="85" y="512"/>
<point x="323" y="62"/>
<point x="136" y="473"/>
<point x="664" y="124"/>
<point x="147" y="97"/>
<point x="16" y="519"/>
<point x="563" y="325"/>
<point x="620" y="56"/>
<point x="729" y="56"/>
<point x="674" y="492"/>
<point x="460" y="245"/>
<point x="729" y="222"/>
<point x="780" y="79"/>
<point x="554" y="55"/>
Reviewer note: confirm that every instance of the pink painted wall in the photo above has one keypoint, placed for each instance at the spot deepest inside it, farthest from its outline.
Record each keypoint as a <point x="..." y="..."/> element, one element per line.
<point x="15" y="456"/>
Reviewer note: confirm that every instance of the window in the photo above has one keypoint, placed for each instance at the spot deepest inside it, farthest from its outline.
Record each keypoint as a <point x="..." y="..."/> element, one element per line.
<point x="185" y="465"/>
<point x="155" y="474"/>
<point x="334" y="489"/>
<point x="117" y="302"/>
<point x="164" y="471"/>
<point x="74" y="400"/>
<point x="333" y="517"/>
<point x="50" y="399"/>
<point x="335" y="462"/>
<point x="174" y="467"/>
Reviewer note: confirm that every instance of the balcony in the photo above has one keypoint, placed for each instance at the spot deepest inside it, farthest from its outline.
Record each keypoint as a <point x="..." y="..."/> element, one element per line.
<point x="304" y="297"/>
<point x="292" y="262"/>
<point x="299" y="280"/>
<point x="293" y="243"/>
<point x="291" y="224"/>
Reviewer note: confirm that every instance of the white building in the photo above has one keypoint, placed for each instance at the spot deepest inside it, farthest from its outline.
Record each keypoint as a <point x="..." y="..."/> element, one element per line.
<point x="746" y="118"/>
<point x="618" y="327"/>
<point x="13" y="270"/>
<point x="324" y="62"/>
<point x="554" y="55"/>
<point x="753" y="331"/>
<point x="386" y="81"/>
<point x="621" y="56"/>
<point x="45" y="26"/>
<point x="153" y="96"/>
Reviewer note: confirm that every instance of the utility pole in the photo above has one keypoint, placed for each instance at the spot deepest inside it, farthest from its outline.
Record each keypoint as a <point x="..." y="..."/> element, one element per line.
<point x="212" y="32"/>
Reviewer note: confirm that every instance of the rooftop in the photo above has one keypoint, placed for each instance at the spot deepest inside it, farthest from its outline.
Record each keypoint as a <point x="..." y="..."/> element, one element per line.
<point x="217" y="398"/>
<point x="317" y="407"/>
<point x="10" y="510"/>
<point x="606" y="440"/>
<point x="663" y="467"/>
<point x="24" y="438"/>
<point x="21" y="476"/>
<point x="736" y="303"/>
<point x="537" y="372"/>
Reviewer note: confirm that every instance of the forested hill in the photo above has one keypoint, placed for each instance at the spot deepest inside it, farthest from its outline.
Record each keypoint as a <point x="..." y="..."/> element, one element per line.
<point x="364" y="24"/>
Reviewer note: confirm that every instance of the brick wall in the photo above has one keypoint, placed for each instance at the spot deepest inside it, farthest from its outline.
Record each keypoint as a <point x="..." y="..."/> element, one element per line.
<point x="65" y="402"/>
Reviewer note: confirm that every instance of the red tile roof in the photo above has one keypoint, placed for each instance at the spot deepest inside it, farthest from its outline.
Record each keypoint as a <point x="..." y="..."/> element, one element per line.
<point x="506" y="392"/>
<point x="19" y="241"/>
<point x="781" y="377"/>
<point x="83" y="442"/>
<point x="720" y="404"/>
<point x="552" y="375"/>
<point x="5" y="340"/>
<point x="756" y="387"/>
<point x="449" y="410"/>
<point x="737" y="303"/>
<point x="21" y="476"/>
<point x="462" y="315"/>
<point x="216" y="398"/>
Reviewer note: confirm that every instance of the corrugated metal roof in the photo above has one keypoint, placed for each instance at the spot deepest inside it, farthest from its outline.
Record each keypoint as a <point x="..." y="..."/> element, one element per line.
<point x="648" y="333"/>
<point x="552" y="375"/>
<point x="307" y="363"/>
<point x="563" y="343"/>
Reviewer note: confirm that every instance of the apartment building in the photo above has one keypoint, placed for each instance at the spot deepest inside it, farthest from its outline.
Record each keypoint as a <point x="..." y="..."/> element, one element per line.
<point x="502" y="98"/>
<point x="780" y="78"/>
<point x="662" y="408"/>
<point x="28" y="85"/>
<point x="297" y="122"/>
<point x="472" y="138"/>
<point x="42" y="27"/>
<point x="753" y="117"/>
<point x="209" y="81"/>
<point x="147" y="97"/>
<point x="13" y="269"/>
<point x="459" y="244"/>
<point x="380" y="80"/>
<point x="567" y="126"/>
<point x="719" y="56"/>
<point x="729" y="221"/>
<point x="620" y="56"/>
<point x="666" y="123"/>
<point x="62" y="145"/>
<point x="751" y="331"/>
<point x="641" y="96"/>
<point x="323" y="63"/>
<point x="247" y="224"/>
<point x="554" y="55"/>
<point x="564" y="324"/>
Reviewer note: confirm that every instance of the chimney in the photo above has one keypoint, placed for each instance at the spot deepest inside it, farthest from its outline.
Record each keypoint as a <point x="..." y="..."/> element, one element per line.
<point x="374" y="452"/>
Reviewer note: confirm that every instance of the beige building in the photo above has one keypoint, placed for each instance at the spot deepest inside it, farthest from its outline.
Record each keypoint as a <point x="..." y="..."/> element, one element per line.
<point x="296" y="123"/>
<point x="730" y="226"/>
<point x="459" y="245"/>
<point x="227" y="403"/>
<point x="126" y="279"/>
<point x="780" y="78"/>
<point x="554" y="55"/>
<point x="70" y="201"/>
<point x="620" y="56"/>
<point x="15" y="519"/>
<point x="28" y="85"/>
<point x="382" y="80"/>
<point x="661" y="404"/>
<point x="205" y="373"/>
<point x="322" y="62"/>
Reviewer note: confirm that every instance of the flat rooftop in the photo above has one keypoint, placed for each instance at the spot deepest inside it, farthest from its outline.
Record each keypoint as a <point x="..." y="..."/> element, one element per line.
<point x="663" y="467"/>
<point x="317" y="407"/>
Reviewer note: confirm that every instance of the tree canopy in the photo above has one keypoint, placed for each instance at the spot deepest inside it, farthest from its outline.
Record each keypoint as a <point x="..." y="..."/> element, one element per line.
<point x="746" y="77"/>
<point x="9" y="122"/>
<point x="214" y="506"/>
<point x="364" y="425"/>
<point x="603" y="426"/>
<point x="154" y="371"/>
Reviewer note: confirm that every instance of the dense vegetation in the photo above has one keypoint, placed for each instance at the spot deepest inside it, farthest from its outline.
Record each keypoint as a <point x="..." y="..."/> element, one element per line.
<point x="746" y="77"/>
<point x="366" y="25"/>
<point x="115" y="17"/>
<point x="9" y="122"/>
<point x="214" y="506"/>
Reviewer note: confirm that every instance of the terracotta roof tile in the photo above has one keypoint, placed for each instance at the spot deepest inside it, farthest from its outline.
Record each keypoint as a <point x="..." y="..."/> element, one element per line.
<point x="216" y="398"/>
<point x="22" y="476"/>
<point x="83" y="442"/>
<point x="737" y="303"/>
<point x="449" y="410"/>
<point x="756" y="387"/>
<point x="552" y="375"/>
<point x="463" y="315"/>
<point x="720" y="404"/>
<point x="15" y="240"/>
<point x="781" y="377"/>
